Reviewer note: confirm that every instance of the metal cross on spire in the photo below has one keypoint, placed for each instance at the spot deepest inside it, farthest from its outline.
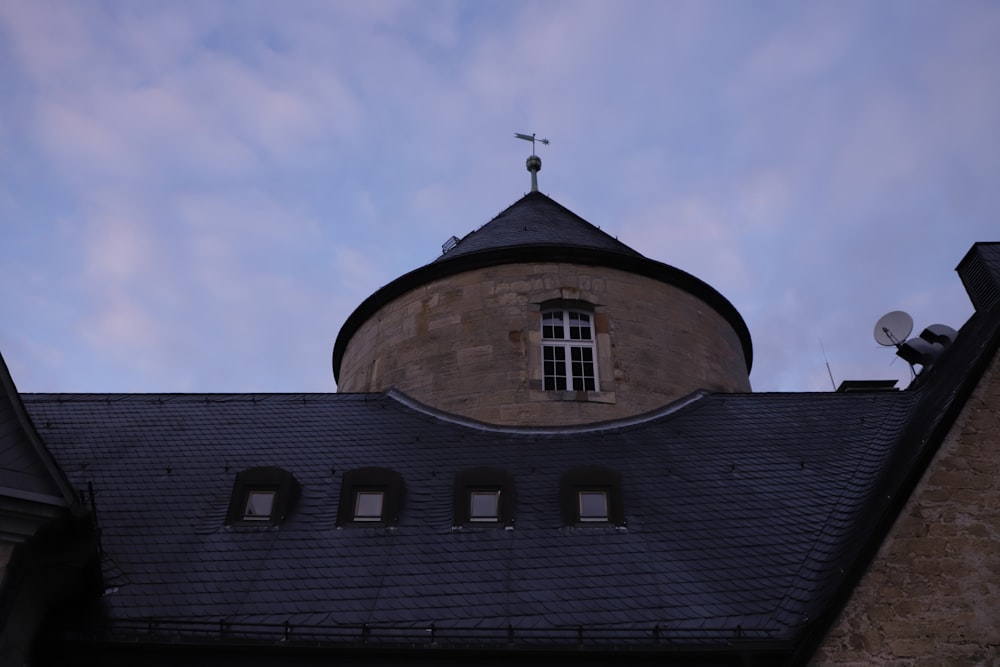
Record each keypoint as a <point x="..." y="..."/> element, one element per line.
<point x="534" y="162"/>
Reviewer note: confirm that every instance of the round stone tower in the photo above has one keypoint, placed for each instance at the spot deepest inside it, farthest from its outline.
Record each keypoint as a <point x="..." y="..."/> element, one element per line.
<point x="540" y="318"/>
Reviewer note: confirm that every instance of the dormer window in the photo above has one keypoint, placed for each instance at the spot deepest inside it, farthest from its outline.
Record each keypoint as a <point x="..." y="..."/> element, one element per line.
<point x="484" y="505"/>
<point x="262" y="496"/>
<point x="370" y="497"/>
<point x="484" y="496"/>
<point x="568" y="351"/>
<point x="591" y="495"/>
<point x="368" y="505"/>
<point x="593" y="505"/>
<point x="260" y="504"/>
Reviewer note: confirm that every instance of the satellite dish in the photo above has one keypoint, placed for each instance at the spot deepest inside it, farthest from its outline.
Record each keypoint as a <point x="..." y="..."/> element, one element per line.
<point x="893" y="328"/>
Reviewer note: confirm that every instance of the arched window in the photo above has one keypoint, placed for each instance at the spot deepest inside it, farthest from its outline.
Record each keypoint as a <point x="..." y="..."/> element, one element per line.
<point x="568" y="351"/>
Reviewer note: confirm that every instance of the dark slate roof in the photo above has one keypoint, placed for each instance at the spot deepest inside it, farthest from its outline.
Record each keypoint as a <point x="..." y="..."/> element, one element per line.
<point x="538" y="229"/>
<point x="537" y="220"/>
<point x="741" y="512"/>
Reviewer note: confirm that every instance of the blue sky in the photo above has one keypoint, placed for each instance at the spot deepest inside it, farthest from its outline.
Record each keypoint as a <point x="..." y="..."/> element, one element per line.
<point x="195" y="195"/>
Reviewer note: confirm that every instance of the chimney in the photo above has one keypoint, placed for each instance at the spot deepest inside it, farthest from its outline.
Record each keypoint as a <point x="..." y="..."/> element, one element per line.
<point x="980" y="273"/>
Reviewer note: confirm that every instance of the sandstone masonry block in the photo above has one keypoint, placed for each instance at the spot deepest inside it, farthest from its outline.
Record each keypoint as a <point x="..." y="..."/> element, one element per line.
<point x="655" y="344"/>
<point x="932" y="595"/>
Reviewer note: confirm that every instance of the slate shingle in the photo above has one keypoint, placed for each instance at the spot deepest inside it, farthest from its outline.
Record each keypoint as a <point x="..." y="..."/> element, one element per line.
<point x="536" y="220"/>
<point x="725" y="502"/>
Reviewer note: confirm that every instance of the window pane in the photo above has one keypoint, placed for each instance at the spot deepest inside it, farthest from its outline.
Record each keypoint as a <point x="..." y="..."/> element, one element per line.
<point x="259" y="504"/>
<point x="552" y="325"/>
<point x="593" y="505"/>
<point x="576" y="368"/>
<point x="579" y="326"/>
<point x="484" y="505"/>
<point x="368" y="506"/>
<point x="555" y="383"/>
<point x="583" y="368"/>
<point x="554" y="367"/>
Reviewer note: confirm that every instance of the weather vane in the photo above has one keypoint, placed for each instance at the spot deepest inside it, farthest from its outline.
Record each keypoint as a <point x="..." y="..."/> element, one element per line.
<point x="531" y="138"/>
<point x="534" y="162"/>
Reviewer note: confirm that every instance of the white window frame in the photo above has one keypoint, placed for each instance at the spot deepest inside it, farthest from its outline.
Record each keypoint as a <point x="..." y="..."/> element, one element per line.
<point x="569" y="344"/>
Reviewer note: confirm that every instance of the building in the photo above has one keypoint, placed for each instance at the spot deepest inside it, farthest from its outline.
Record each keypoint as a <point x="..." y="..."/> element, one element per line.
<point x="544" y="446"/>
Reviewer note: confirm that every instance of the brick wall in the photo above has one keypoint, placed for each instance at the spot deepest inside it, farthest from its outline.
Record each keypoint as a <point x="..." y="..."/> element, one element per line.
<point x="932" y="594"/>
<point x="470" y="344"/>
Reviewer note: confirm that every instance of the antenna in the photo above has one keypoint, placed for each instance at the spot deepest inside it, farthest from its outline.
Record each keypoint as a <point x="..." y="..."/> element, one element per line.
<point x="893" y="328"/>
<point x="534" y="163"/>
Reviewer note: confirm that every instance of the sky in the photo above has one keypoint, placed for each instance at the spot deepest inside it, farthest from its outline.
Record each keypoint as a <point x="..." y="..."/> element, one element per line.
<point x="195" y="195"/>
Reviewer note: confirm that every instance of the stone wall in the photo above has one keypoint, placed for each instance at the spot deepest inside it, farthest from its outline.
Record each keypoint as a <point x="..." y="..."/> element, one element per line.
<point x="470" y="344"/>
<point x="932" y="594"/>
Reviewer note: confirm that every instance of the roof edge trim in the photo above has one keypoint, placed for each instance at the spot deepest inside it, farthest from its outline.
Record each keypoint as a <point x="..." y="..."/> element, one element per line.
<point x="32" y="497"/>
<point x="56" y="475"/>
<point x="594" y="427"/>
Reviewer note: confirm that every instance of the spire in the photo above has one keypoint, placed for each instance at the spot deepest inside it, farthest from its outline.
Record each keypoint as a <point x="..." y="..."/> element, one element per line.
<point x="534" y="163"/>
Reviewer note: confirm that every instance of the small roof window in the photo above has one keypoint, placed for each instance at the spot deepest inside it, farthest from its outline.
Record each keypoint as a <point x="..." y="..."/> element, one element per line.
<point x="484" y="496"/>
<point x="591" y="495"/>
<point x="368" y="505"/>
<point x="593" y="505"/>
<point x="370" y="497"/>
<point x="262" y="496"/>
<point x="484" y="505"/>
<point x="259" y="505"/>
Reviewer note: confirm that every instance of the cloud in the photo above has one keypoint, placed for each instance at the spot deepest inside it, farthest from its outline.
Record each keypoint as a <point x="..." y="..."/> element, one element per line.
<point x="813" y="41"/>
<point x="762" y="198"/>
<point x="205" y="190"/>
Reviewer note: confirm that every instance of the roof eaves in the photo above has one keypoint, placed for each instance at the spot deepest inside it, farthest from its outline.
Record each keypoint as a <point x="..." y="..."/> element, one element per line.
<point x="535" y="253"/>
<point x="66" y="497"/>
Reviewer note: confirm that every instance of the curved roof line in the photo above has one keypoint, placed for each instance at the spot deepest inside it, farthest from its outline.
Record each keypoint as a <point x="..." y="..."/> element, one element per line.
<point x="596" y="427"/>
<point x="549" y="253"/>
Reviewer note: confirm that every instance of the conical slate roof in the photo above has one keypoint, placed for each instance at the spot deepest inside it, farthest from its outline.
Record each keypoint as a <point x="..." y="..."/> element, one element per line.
<point x="536" y="228"/>
<point x="537" y="220"/>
